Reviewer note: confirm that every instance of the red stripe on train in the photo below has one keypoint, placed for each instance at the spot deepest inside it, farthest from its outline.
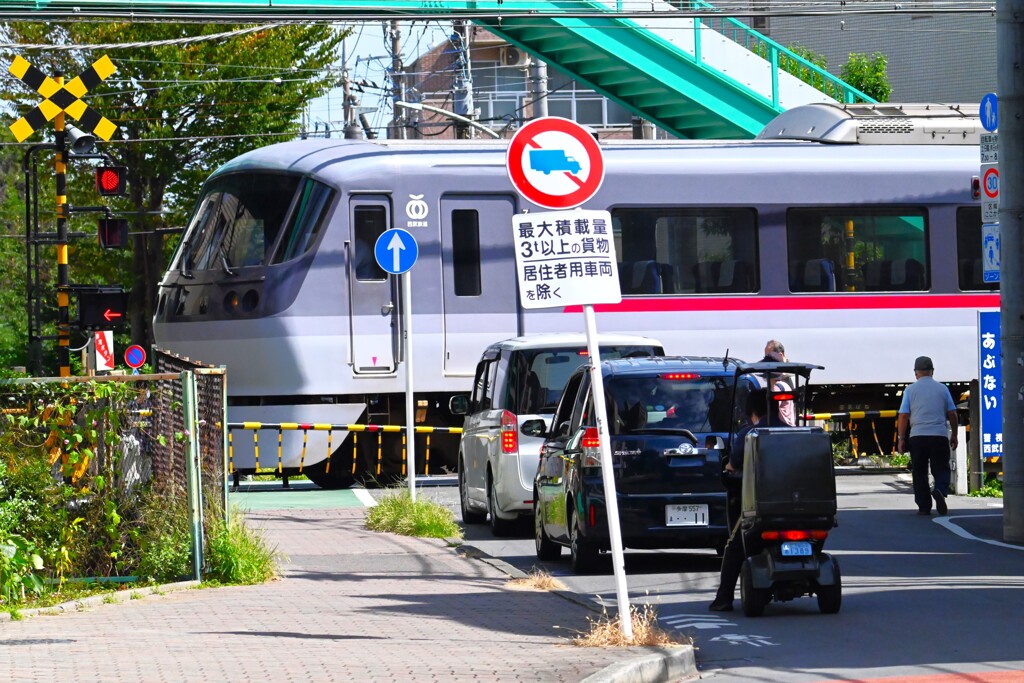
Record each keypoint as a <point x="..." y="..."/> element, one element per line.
<point x="828" y="302"/>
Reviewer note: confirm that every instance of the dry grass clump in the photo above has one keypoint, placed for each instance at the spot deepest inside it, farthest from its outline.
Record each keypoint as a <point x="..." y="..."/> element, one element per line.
<point x="538" y="580"/>
<point x="607" y="632"/>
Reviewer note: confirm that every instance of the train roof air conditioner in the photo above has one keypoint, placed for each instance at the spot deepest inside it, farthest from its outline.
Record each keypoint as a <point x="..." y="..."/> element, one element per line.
<point x="513" y="56"/>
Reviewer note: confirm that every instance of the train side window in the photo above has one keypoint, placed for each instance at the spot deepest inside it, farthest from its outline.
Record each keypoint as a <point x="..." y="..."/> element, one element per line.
<point x="368" y="224"/>
<point x="969" y="251"/>
<point x="686" y="250"/>
<point x="466" y="252"/>
<point x="857" y="249"/>
<point x="307" y="220"/>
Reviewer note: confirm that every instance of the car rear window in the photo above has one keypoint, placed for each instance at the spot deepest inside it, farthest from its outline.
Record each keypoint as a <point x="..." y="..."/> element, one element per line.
<point x="669" y="400"/>
<point x="537" y="378"/>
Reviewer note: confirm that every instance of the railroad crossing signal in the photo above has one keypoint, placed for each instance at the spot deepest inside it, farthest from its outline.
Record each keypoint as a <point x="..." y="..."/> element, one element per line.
<point x="62" y="98"/>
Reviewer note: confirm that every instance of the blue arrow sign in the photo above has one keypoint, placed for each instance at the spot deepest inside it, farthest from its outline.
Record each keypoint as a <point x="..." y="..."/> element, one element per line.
<point x="396" y="251"/>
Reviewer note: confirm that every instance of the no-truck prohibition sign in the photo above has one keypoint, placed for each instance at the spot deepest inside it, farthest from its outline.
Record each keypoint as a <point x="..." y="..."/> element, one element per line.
<point x="555" y="163"/>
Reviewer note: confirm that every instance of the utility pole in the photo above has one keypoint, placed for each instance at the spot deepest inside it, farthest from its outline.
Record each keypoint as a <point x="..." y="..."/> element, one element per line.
<point x="538" y="89"/>
<point x="351" y="128"/>
<point x="462" y="94"/>
<point x="1009" y="43"/>
<point x="397" y="95"/>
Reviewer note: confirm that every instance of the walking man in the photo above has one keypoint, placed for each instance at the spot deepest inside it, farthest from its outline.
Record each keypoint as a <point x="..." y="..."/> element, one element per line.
<point x="927" y="406"/>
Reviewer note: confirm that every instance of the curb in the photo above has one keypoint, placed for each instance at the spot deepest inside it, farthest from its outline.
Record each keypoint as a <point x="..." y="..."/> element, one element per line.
<point x="101" y="599"/>
<point x="662" y="665"/>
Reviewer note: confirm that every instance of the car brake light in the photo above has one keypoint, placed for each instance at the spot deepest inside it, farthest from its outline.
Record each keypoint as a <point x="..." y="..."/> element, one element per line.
<point x="770" y="535"/>
<point x="509" y="434"/>
<point x="819" y="534"/>
<point x="583" y="352"/>
<point x="593" y="516"/>
<point x="591" y="438"/>
<point x="794" y="535"/>
<point x="782" y="397"/>
<point x="591" y="445"/>
<point x="678" y="375"/>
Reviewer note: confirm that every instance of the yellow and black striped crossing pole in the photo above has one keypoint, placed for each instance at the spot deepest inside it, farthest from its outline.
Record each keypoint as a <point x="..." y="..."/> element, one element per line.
<point x="60" y="99"/>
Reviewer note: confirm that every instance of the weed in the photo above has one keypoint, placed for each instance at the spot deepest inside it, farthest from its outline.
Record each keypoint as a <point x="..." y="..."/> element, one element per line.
<point x="109" y="599"/>
<point x="237" y="554"/>
<point x="15" y="614"/>
<point x="993" y="488"/>
<point x="538" y="579"/>
<point x="607" y="632"/>
<point x="399" y="514"/>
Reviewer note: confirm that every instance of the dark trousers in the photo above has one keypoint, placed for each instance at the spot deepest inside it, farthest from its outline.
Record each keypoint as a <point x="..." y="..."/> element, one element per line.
<point x="732" y="562"/>
<point x="929" y="452"/>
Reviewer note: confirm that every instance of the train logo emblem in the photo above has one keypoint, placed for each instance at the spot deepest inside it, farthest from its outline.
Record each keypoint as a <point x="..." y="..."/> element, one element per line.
<point x="416" y="211"/>
<point x="555" y="163"/>
<point x="396" y="251"/>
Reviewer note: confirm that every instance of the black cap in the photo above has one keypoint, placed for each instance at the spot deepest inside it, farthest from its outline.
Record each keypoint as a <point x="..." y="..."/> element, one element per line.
<point x="923" y="363"/>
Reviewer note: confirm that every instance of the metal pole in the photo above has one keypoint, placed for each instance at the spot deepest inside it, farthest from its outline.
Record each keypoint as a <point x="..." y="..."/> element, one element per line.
<point x="193" y="472"/>
<point x="608" y="474"/>
<point x="1009" y="23"/>
<point x="410" y="414"/>
<point x="35" y="351"/>
<point x="63" y="278"/>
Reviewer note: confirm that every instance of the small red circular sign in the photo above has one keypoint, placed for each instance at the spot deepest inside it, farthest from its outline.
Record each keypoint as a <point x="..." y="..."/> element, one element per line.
<point x="555" y="163"/>
<point x="990" y="183"/>
<point x="135" y="356"/>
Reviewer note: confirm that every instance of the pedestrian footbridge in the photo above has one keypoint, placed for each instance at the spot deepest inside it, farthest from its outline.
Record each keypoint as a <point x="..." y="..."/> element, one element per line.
<point x="696" y="73"/>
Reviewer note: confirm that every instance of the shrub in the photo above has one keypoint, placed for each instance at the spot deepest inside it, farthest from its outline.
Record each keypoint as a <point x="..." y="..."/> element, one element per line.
<point x="399" y="514"/>
<point x="238" y="554"/>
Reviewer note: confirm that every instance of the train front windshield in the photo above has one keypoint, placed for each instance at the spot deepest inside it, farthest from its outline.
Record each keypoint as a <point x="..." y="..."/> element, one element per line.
<point x="253" y="219"/>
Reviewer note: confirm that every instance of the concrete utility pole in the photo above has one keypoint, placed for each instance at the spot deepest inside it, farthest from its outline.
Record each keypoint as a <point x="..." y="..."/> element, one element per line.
<point x="538" y="89"/>
<point x="397" y="95"/>
<point x="1010" y="71"/>
<point x="462" y="90"/>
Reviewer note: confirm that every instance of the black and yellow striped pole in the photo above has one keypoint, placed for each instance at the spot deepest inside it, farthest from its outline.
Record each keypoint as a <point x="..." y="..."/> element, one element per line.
<point x="63" y="275"/>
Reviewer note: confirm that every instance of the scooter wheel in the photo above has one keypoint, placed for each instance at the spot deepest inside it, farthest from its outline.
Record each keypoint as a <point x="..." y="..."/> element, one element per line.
<point x="753" y="599"/>
<point x="830" y="598"/>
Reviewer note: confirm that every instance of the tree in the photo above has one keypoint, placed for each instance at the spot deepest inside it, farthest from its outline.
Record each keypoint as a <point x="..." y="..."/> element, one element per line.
<point x="868" y="74"/>
<point x="183" y="107"/>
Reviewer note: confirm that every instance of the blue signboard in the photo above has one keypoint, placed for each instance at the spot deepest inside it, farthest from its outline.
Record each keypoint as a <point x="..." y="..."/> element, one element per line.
<point x="990" y="373"/>
<point x="990" y="252"/>
<point x="396" y="251"/>
<point x="989" y="112"/>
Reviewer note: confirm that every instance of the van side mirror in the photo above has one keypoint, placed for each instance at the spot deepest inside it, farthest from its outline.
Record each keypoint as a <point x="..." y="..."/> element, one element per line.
<point x="535" y="427"/>
<point x="459" y="405"/>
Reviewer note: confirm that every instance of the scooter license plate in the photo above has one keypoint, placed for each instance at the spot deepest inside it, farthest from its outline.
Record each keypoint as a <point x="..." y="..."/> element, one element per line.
<point x="796" y="549"/>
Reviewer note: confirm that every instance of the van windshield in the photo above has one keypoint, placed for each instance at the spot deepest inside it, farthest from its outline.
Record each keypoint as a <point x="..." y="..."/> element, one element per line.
<point x="537" y="378"/>
<point x="699" y="404"/>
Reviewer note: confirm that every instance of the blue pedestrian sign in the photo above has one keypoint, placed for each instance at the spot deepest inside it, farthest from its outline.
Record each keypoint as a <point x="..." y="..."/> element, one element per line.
<point x="396" y="251"/>
<point x="989" y="112"/>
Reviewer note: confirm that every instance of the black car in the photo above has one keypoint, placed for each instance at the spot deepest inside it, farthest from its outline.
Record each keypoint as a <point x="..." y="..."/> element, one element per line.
<point x="669" y="419"/>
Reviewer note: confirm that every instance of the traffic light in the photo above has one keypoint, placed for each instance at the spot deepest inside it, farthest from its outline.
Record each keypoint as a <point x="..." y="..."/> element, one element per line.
<point x="113" y="233"/>
<point x="102" y="307"/>
<point x="111" y="181"/>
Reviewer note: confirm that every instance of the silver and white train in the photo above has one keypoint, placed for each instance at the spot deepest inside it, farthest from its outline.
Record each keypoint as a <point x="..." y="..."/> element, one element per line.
<point x="851" y="234"/>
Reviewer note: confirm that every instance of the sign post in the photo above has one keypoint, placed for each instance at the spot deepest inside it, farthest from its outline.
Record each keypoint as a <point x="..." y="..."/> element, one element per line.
<point x="989" y="147"/>
<point x="567" y="258"/>
<point x="396" y="251"/>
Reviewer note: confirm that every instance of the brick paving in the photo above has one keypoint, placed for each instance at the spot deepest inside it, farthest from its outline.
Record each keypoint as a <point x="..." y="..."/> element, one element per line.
<point x="351" y="605"/>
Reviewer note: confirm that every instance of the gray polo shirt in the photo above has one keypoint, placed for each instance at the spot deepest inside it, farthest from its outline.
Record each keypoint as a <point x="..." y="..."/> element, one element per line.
<point x="927" y="401"/>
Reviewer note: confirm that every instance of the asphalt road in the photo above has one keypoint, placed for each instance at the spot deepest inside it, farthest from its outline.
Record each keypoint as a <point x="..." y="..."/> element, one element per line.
<point x="922" y="598"/>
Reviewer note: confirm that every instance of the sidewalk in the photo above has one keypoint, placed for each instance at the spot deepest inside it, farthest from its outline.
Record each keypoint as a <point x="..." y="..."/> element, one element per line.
<point x="352" y="605"/>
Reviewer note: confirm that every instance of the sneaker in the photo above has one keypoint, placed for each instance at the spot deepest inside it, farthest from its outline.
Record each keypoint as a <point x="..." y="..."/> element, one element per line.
<point x="940" y="502"/>
<point x="721" y="605"/>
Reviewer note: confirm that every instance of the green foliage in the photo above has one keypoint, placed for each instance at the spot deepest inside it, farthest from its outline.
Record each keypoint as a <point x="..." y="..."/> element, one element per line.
<point x="397" y="513"/>
<point x="19" y="564"/>
<point x="993" y="488"/>
<point x="236" y="553"/>
<point x="868" y="74"/>
<point x="842" y="451"/>
<point x="165" y="540"/>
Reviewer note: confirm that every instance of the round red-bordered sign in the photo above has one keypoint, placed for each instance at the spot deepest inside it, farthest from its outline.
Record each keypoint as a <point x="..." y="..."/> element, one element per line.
<point x="990" y="183"/>
<point x="135" y="356"/>
<point x="555" y="163"/>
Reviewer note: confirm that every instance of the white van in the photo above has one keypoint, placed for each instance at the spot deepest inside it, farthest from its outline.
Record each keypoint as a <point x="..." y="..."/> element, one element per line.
<point x="517" y="380"/>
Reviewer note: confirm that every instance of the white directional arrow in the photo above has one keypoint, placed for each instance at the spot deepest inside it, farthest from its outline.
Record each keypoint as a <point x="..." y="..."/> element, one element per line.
<point x="396" y="246"/>
<point x="680" y="622"/>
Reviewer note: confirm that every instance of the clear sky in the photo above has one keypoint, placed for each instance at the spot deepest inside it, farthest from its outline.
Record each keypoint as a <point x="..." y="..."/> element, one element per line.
<point x="368" y="55"/>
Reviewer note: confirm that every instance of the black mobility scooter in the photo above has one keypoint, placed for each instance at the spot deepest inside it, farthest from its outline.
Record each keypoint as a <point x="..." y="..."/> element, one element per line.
<point x="788" y="496"/>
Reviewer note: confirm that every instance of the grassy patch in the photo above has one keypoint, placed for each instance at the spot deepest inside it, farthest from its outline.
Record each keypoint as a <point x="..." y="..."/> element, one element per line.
<point x="607" y="632"/>
<point x="238" y="554"/>
<point x="71" y="592"/>
<point x="397" y="513"/>
<point x="537" y="579"/>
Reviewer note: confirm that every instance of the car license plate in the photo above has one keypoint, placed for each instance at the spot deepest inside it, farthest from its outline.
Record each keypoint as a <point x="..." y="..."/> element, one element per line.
<point x="686" y="515"/>
<point x="796" y="549"/>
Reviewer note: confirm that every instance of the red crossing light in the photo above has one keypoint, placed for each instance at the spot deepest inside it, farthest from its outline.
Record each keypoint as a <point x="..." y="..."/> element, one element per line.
<point x="111" y="181"/>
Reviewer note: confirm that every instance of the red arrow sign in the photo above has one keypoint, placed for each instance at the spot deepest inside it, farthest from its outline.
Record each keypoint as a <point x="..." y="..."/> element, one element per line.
<point x="110" y="315"/>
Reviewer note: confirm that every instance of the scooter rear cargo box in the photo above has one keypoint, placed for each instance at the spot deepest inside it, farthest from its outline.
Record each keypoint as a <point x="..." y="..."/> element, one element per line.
<point x="788" y="471"/>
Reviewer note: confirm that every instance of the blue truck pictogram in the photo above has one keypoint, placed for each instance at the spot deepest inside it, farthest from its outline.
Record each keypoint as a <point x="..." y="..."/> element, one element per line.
<point x="548" y="160"/>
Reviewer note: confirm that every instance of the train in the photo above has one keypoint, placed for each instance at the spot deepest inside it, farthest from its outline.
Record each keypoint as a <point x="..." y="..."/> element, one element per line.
<point x="851" y="233"/>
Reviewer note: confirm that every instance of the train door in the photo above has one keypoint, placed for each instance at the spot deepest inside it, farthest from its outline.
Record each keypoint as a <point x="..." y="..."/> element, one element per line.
<point x="372" y="292"/>
<point x="480" y="300"/>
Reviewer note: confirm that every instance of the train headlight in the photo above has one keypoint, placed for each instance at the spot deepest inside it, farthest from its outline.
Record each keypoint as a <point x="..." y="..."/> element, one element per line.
<point x="231" y="301"/>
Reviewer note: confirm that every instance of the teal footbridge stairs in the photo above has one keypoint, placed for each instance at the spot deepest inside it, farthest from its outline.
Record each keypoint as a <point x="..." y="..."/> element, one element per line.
<point x="696" y="73"/>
